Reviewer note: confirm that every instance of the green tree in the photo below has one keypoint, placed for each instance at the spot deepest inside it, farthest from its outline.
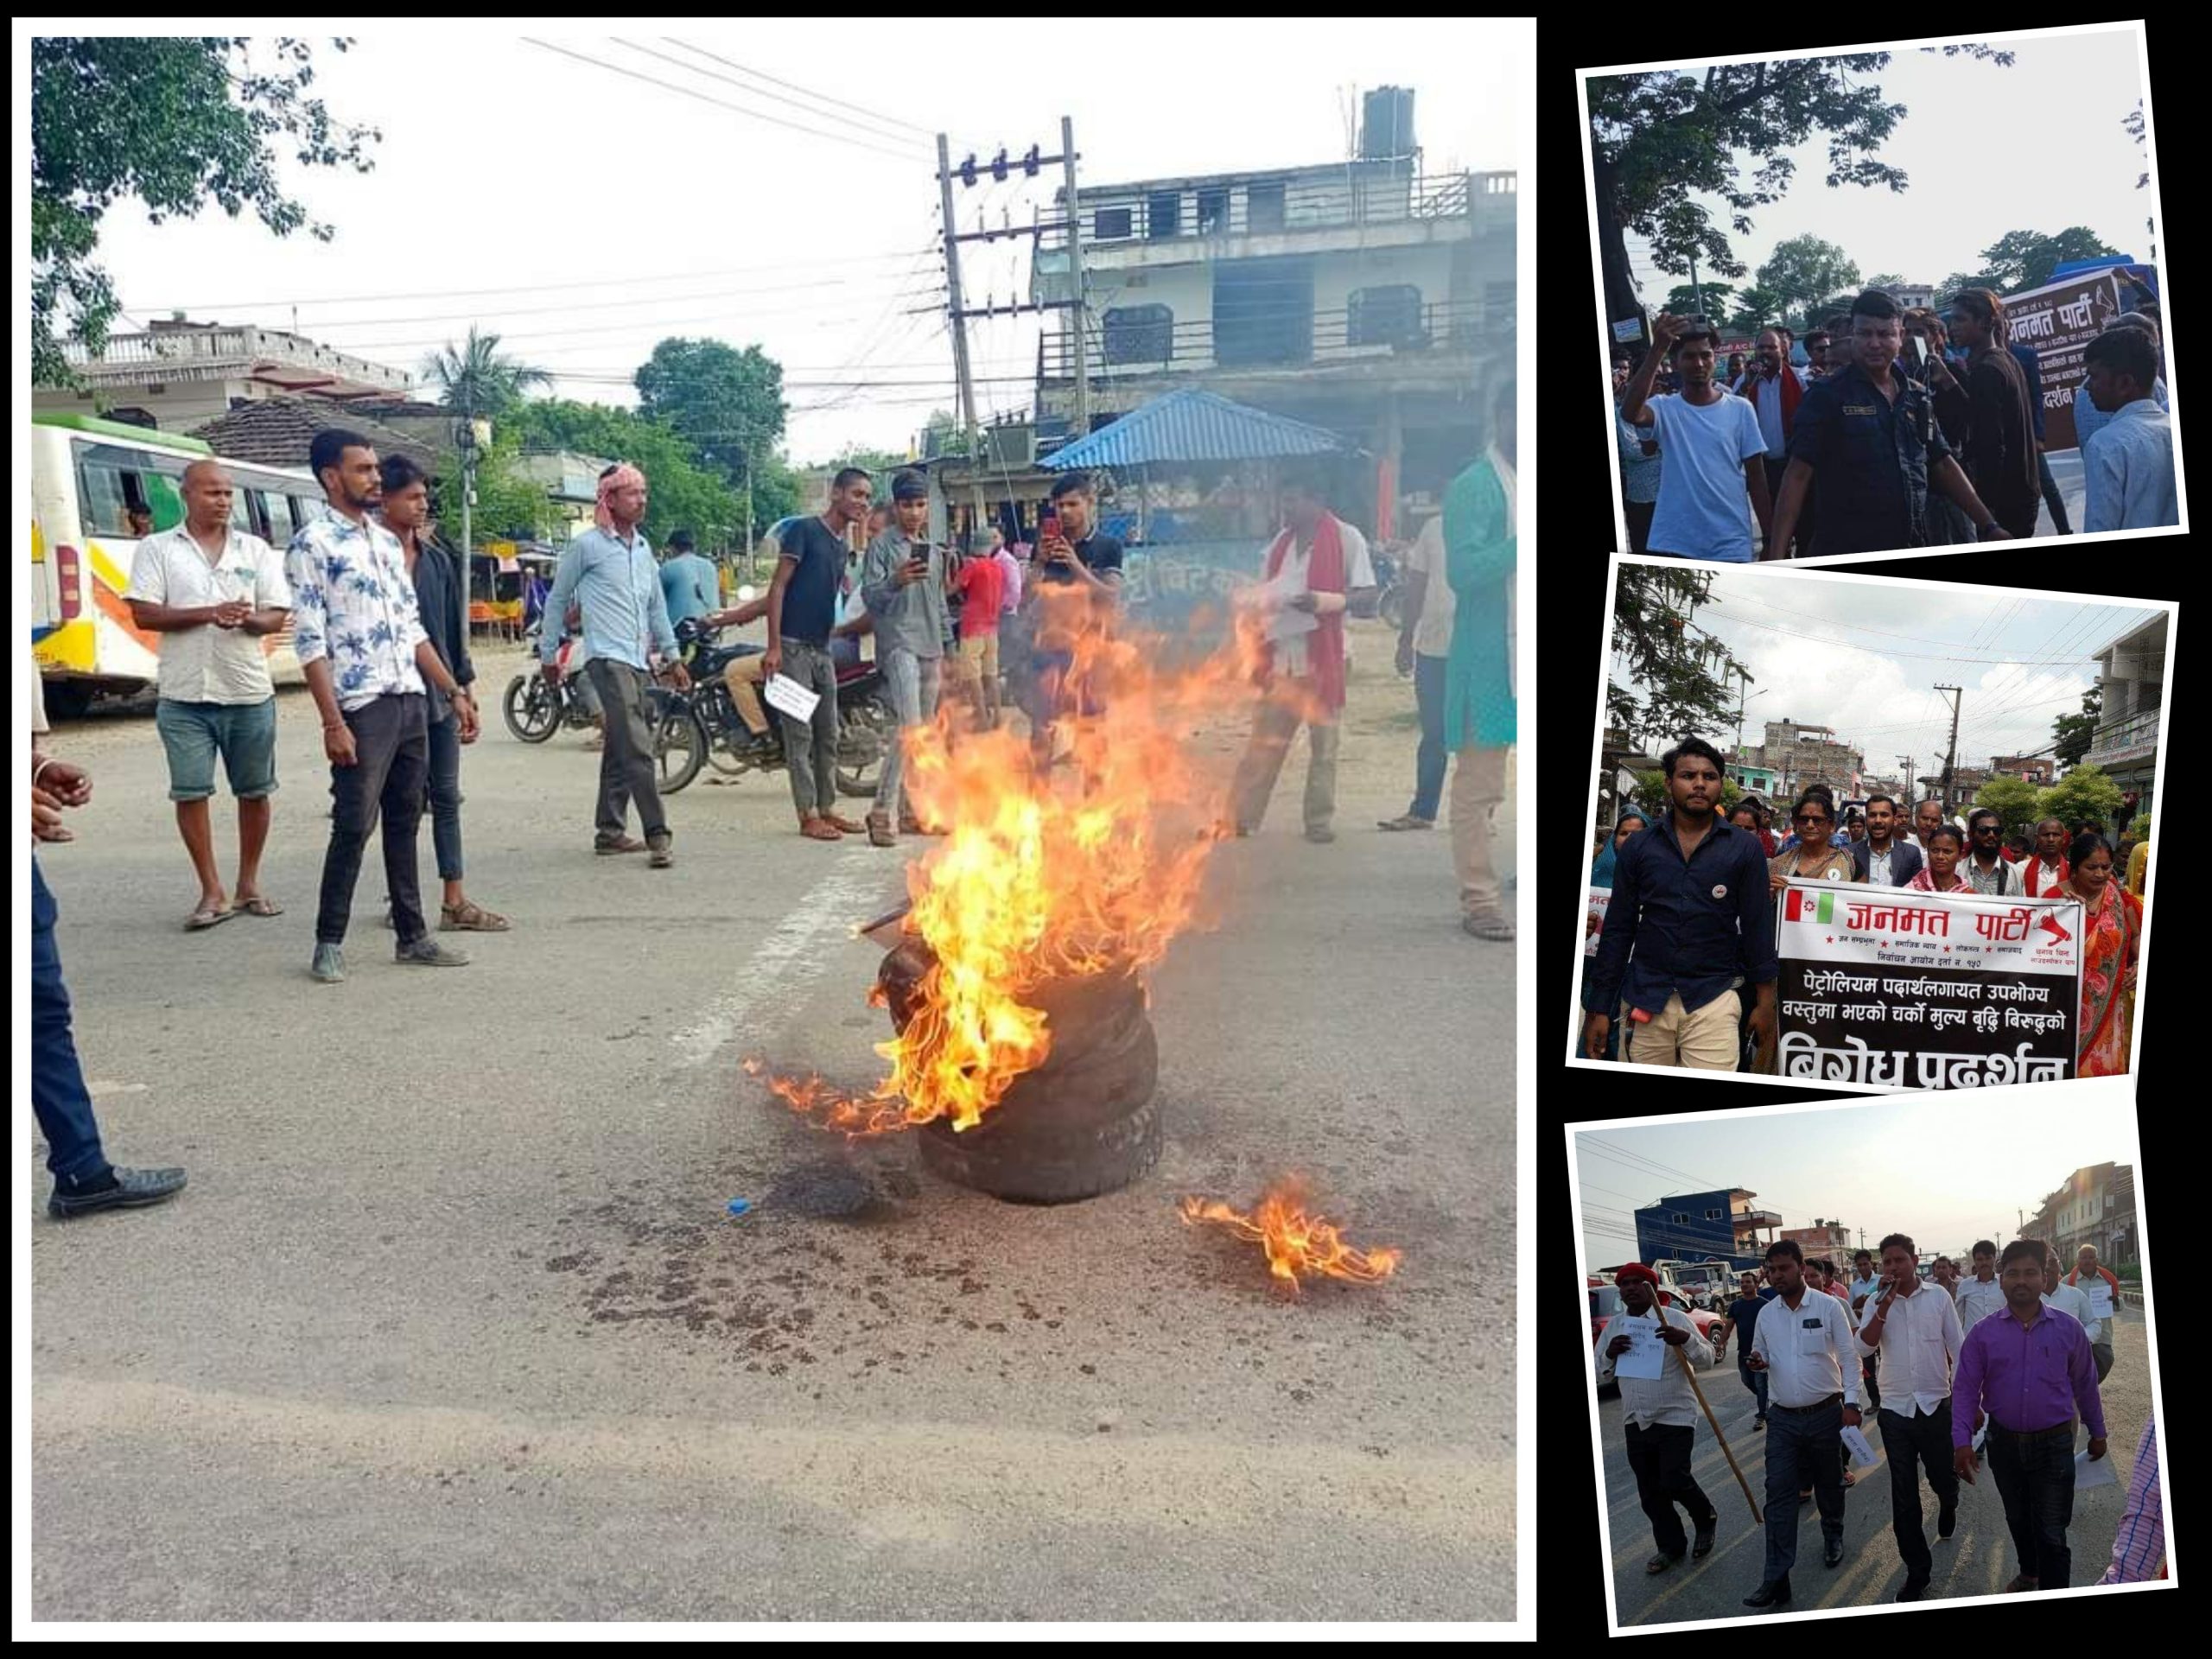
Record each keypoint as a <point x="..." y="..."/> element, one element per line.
<point x="2019" y="260"/>
<point x="1803" y="269"/>
<point x="728" y="404"/>
<point x="2133" y="122"/>
<point x="2015" y="801"/>
<point x="1660" y="138"/>
<point x="2085" y="792"/>
<point x="2075" y="732"/>
<point x="1686" y="679"/>
<point x="1886" y="281"/>
<point x="478" y="378"/>
<point x="1684" y="302"/>
<point x="176" y="122"/>
<point x="943" y="434"/>
<point x="1754" y="309"/>
<point x="509" y="506"/>
<point x="682" y="494"/>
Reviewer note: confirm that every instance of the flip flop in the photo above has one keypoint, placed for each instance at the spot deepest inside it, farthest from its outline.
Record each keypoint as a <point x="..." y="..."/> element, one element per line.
<point x="261" y="904"/>
<point x="207" y="916"/>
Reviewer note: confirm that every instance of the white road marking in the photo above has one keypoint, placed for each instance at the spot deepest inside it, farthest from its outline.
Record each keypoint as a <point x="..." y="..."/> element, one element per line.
<point x="788" y="962"/>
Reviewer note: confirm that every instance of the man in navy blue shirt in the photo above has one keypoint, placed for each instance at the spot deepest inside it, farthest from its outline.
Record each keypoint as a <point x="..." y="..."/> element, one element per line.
<point x="1691" y="902"/>
<point x="1743" y="1319"/>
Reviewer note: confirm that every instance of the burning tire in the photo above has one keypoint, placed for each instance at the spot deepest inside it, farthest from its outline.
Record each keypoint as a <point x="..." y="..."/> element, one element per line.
<point x="1083" y="1124"/>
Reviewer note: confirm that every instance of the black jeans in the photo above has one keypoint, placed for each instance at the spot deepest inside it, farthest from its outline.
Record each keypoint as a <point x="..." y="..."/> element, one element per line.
<point x="625" y="765"/>
<point x="1871" y="1394"/>
<point x="2052" y="497"/>
<point x="1639" y="525"/>
<point x="445" y="795"/>
<point x="391" y="763"/>
<point x="1801" y="1451"/>
<point x="2035" y="1476"/>
<point x="1803" y="534"/>
<point x="1922" y="1440"/>
<point x="1660" y="1455"/>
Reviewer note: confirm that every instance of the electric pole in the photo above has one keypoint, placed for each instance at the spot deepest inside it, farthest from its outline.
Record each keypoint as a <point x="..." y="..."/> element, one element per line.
<point x="1951" y="754"/>
<point x="952" y="289"/>
<point x="1081" y="285"/>
<point x="1911" y="778"/>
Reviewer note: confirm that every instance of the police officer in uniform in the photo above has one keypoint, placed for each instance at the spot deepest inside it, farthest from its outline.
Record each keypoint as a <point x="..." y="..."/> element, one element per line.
<point x="1869" y="435"/>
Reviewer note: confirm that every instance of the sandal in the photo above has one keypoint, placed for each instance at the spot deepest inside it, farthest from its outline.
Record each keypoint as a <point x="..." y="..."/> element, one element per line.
<point x="1660" y="1563"/>
<point x="208" y="916"/>
<point x="260" y="904"/>
<point x="1407" y="821"/>
<point x="618" y="844"/>
<point x="878" y="830"/>
<point x="844" y="825"/>
<point x="818" y="829"/>
<point x="1490" y="926"/>
<point x="469" y="916"/>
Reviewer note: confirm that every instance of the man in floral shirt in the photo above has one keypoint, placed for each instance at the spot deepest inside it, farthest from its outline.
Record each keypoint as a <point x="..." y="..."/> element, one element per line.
<point x="357" y="630"/>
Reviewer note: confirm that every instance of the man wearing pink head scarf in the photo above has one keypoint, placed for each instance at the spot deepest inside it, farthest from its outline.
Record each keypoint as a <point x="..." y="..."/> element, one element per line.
<point x="611" y="570"/>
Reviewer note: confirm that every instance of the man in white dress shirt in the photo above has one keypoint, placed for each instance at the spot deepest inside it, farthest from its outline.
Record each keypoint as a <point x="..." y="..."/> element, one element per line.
<point x="1913" y="1330"/>
<point x="1982" y="1295"/>
<point x="1804" y="1345"/>
<point x="1661" y="1417"/>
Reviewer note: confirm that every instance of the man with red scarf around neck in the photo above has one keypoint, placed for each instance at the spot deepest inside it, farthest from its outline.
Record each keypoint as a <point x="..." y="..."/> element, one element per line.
<point x="1315" y="567"/>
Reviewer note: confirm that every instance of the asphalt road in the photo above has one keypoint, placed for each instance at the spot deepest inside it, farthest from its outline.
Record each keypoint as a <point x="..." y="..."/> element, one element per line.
<point x="452" y="1321"/>
<point x="1977" y="1560"/>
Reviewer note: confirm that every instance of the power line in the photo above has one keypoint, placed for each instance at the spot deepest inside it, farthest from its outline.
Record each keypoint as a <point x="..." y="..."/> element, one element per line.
<point x="720" y="103"/>
<point x="760" y="74"/>
<point x="836" y="111"/>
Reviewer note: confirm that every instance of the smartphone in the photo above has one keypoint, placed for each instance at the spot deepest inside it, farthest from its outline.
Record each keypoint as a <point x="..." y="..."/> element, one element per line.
<point x="1048" y="527"/>
<point x="1920" y="350"/>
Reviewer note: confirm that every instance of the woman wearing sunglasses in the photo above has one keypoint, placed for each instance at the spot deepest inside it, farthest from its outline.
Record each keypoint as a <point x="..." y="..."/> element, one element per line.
<point x="1813" y="857"/>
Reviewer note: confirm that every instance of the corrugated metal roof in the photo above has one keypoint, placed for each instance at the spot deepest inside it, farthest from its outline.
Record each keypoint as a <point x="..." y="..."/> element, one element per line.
<point x="1191" y="425"/>
<point x="277" y="431"/>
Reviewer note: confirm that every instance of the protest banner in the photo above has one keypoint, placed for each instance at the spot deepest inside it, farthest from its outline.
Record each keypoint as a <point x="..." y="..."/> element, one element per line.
<point x="1599" y="899"/>
<point x="2058" y="320"/>
<point x="1892" y="988"/>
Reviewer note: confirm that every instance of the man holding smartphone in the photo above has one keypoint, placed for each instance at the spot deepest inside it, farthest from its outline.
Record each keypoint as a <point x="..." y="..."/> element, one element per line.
<point x="1075" y="582"/>
<point x="1913" y="1331"/>
<point x="902" y="578"/>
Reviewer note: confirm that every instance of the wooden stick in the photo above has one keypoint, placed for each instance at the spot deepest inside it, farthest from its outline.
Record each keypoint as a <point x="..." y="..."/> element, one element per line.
<point x="1690" y="1371"/>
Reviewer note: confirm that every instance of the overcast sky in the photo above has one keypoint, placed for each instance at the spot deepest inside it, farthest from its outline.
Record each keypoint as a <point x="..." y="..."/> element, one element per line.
<point x="1864" y="656"/>
<point x="1874" y="1166"/>
<point x="2062" y="99"/>
<point x="505" y="165"/>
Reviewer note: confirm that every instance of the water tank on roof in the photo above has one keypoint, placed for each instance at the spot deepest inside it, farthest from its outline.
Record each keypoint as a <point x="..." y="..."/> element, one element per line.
<point x="1386" y="123"/>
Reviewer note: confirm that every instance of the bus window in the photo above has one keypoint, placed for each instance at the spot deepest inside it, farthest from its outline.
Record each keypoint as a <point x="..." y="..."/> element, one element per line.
<point x="278" y="511"/>
<point x="128" y="493"/>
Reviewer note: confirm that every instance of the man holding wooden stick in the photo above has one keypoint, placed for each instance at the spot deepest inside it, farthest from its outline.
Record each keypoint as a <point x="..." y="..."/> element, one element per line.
<point x="1660" y="1406"/>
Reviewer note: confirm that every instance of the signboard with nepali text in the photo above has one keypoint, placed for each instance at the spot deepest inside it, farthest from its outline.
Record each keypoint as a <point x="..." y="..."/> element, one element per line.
<point x="2058" y="320"/>
<point x="1893" y="988"/>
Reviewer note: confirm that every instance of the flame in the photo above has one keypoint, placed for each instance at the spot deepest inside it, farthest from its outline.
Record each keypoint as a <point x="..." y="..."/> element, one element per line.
<point x="1298" y="1242"/>
<point x="1093" y="869"/>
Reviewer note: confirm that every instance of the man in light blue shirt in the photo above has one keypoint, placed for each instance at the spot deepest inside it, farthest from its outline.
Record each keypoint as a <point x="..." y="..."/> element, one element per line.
<point x="2089" y="420"/>
<point x="688" y="584"/>
<point x="610" y="569"/>
<point x="2127" y="466"/>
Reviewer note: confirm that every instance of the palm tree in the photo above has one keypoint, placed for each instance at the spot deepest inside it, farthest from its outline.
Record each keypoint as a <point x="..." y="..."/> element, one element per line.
<point x="478" y="380"/>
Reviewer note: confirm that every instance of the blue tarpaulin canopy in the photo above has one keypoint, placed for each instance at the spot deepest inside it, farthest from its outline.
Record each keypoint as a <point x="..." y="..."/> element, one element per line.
<point x="1194" y="426"/>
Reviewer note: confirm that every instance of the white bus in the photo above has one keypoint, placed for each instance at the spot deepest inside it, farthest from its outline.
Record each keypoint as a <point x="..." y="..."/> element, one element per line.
<point x="97" y="487"/>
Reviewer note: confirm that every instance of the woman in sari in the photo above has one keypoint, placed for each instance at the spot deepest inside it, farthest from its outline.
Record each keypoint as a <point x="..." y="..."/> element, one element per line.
<point x="2113" y="932"/>
<point x="1813" y="858"/>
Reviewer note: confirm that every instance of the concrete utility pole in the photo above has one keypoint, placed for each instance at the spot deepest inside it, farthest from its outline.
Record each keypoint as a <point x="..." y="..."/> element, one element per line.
<point x="1951" y="754"/>
<point x="952" y="289"/>
<point x="1081" y="288"/>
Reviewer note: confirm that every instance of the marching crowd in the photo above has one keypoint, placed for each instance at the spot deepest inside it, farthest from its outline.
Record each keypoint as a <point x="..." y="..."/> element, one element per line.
<point x="1915" y="431"/>
<point x="377" y="610"/>
<point x="1999" y="1367"/>
<point x="1689" y="924"/>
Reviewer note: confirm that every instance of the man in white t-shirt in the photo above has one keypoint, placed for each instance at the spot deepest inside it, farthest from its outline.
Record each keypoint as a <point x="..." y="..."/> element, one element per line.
<point x="213" y="592"/>
<point x="1712" y="496"/>
<point x="1312" y="572"/>
<point x="1424" y="652"/>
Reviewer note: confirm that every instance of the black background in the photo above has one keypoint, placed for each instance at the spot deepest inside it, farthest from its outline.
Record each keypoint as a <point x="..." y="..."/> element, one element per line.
<point x="1578" y="535"/>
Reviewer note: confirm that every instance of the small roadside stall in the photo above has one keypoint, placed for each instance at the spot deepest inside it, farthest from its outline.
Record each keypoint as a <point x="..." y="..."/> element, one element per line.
<point x="500" y="578"/>
<point x="1195" y="477"/>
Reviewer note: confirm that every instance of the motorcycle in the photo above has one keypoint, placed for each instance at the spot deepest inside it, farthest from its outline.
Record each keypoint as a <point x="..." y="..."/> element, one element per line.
<point x="1390" y="590"/>
<point x="535" y="710"/>
<point x="701" y="726"/>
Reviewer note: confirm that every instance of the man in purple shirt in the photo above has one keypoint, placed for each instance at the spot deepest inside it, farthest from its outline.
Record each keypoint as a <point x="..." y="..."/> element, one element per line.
<point x="2030" y="1369"/>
